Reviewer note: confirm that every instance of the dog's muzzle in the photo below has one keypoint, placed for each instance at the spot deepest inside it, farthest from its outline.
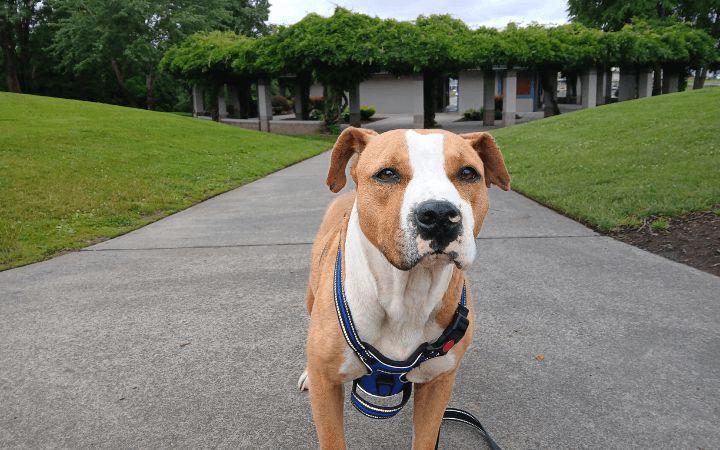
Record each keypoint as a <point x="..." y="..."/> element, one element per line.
<point x="439" y="222"/>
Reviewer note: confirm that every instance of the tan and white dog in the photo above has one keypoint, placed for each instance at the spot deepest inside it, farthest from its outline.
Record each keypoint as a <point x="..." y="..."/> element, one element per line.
<point x="406" y="235"/>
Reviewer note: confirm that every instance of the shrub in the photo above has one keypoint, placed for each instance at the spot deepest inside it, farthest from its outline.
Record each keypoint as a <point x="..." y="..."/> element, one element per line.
<point x="345" y="116"/>
<point x="498" y="103"/>
<point x="317" y="114"/>
<point x="473" y="114"/>
<point x="279" y="101"/>
<point x="279" y="104"/>
<point x="366" y="112"/>
<point x="498" y="114"/>
<point x="317" y="103"/>
<point x="334" y="128"/>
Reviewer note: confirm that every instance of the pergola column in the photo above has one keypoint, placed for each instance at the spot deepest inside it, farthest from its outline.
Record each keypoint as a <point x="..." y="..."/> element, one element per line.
<point x="355" y="106"/>
<point x="222" y="105"/>
<point x="299" y="97"/>
<point x="579" y="90"/>
<point x="626" y="90"/>
<point x="234" y="100"/>
<point x="671" y="82"/>
<point x="645" y="83"/>
<point x="470" y="84"/>
<point x="264" y="104"/>
<point x="198" y="101"/>
<point x="602" y="79"/>
<point x="418" y="101"/>
<point x="510" y="98"/>
<point x="489" y="97"/>
<point x="589" y="88"/>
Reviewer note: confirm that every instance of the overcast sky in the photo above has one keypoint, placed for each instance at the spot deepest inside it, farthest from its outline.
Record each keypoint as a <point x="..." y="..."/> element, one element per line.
<point x="491" y="13"/>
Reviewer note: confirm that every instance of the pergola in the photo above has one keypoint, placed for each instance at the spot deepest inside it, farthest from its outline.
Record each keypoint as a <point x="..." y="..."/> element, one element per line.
<point x="347" y="48"/>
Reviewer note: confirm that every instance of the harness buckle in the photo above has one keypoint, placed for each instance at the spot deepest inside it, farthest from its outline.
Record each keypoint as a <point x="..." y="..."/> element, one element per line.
<point x="453" y="333"/>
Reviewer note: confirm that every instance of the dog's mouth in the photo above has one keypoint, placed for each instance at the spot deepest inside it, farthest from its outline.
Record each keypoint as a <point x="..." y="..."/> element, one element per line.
<point x="438" y="259"/>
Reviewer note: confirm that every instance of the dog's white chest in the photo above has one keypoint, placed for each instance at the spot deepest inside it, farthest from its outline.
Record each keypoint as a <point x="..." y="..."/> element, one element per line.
<point x="393" y="310"/>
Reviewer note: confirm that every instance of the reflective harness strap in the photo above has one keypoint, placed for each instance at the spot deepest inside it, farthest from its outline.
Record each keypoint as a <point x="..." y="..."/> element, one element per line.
<point x="387" y="377"/>
<point x="376" y="411"/>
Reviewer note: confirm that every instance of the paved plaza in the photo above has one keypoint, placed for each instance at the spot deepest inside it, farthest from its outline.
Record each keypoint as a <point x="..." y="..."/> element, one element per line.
<point x="91" y="355"/>
<point x="450" y="121"/>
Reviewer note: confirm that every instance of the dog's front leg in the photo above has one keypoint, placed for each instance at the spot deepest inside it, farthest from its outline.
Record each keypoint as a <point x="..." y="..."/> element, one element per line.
<point x="430" y="401"/>
<point x="326" y="399"/>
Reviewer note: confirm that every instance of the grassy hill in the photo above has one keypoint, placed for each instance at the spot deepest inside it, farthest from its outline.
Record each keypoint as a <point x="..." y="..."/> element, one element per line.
<point x="615" y="164"/>
<point x="72" y="172"/>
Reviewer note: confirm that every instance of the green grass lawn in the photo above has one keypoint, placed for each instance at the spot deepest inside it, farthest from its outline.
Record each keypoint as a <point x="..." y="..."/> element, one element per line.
<point x="615" y="164"/>
<point x="72" y="172"/>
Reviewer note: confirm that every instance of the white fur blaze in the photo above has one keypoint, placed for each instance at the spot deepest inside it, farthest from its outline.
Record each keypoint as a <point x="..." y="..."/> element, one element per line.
<point x="430" y="182"/>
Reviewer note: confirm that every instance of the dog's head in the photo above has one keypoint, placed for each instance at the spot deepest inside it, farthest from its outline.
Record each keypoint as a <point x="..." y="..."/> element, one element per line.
<point x="421" y="194"/>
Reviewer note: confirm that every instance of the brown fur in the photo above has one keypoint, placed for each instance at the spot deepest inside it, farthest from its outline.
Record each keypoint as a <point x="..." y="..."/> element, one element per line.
<point x="379" y="203"/>
<point x="376" y="203"/>
<point x="351" y="141"/>
<point x="487" y="148"/>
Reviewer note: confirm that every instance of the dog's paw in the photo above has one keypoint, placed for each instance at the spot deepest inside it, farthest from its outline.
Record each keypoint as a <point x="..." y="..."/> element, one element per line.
<point x="304" y="381"/>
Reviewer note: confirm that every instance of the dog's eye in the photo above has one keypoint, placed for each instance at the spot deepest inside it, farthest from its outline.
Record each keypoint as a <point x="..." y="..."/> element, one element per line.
<point x="467" y="173"/>
<point x="387" y="175"/>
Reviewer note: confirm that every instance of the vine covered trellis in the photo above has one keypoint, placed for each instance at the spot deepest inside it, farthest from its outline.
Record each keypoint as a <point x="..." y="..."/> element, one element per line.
<point x="347" y="48"/>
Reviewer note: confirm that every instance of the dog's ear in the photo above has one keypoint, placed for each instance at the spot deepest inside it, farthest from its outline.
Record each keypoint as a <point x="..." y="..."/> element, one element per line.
<point x="495" y="170"/>
<point x="351" y="141"/>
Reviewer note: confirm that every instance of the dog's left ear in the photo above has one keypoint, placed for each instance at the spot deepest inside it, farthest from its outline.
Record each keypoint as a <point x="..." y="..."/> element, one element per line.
<point x="495" y="170"/>
<point x="351" y="141"/>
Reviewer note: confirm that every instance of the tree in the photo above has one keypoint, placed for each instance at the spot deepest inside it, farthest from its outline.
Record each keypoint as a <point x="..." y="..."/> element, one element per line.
<point x="549" y="50"/>
<point x="207" y="59"/>
<point x="16" y="19"/>
<point x="613" y="15"/>
<point x="673" y="47"/>
<point x="430" y="46"/>
<point x="705" y="14"/>
<point x="340" y="51"/>
<point x="130" y="36"/>
<point x="248" y="17"/>
<point x="348" y="48"/>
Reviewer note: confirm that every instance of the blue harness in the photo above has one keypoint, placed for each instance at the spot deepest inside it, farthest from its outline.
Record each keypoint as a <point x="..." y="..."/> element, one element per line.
<point x="387" y="377"/>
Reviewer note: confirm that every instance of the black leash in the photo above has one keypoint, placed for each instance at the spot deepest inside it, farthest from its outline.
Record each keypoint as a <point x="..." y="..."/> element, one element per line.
<point x="459" y="415"/>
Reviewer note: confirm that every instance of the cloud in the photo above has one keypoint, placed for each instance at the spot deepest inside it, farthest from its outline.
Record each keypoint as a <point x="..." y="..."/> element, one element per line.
<point x="491" y="13"/>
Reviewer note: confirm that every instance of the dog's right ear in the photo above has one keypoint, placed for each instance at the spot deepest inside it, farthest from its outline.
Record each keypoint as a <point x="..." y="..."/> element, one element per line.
<point x="351" y="141"/>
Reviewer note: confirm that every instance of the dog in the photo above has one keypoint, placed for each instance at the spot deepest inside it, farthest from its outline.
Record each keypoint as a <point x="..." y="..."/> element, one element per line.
<point x="391" y="256"/>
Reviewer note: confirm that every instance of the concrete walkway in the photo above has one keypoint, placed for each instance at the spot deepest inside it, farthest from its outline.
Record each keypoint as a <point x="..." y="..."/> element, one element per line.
<point x="91" y="356"/>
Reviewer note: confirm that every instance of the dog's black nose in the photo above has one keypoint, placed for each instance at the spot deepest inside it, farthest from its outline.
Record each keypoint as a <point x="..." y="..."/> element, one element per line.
<point x="439" y="222"/>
